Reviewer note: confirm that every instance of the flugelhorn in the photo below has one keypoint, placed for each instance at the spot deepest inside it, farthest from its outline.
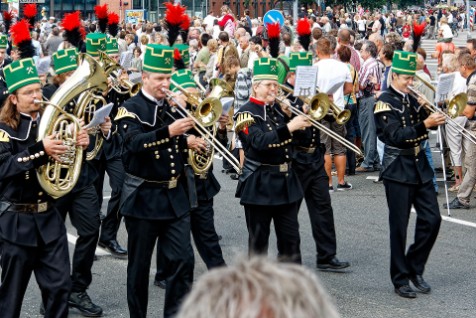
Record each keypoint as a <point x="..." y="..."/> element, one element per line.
<point x="205" y="115"/>
<point x="112" y="70"/>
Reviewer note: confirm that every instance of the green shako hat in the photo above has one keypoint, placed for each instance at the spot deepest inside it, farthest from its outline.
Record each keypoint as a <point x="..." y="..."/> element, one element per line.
<point x="299" y="59"/>
<point x="65" y="60"/>
<point x="95" y="42"/>
<point x="283" y="68"/>
<point x="265" y="68"/>
<point x="184" y="53"/>
<point x="183" y="78"/>
<point x="20" y="73"/>
<point x="3" y="41"/>
<point x="158" y="58"/>
<point x="111" y="46"/>
<point x="404" y="63"/>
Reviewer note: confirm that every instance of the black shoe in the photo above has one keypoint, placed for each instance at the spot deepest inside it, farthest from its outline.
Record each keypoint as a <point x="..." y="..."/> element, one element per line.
<point x="333" y="264"/>
<point x="160" y="283"/>
<point x="456" y="204"/>
<point x="114" y="248"/>
<point x="420" y="284"/>
<point x="234" y="176"/>
<point x="405" y="291"/>
<point x="83" y="303"/>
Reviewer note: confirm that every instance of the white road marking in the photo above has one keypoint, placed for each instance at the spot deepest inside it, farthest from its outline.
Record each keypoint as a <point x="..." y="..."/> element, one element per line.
<point x="453" y="220"/>
<point x="99" y="251"/>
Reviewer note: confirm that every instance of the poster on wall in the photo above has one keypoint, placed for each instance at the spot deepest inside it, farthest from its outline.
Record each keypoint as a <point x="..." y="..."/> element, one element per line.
<point x="133" y="16"/>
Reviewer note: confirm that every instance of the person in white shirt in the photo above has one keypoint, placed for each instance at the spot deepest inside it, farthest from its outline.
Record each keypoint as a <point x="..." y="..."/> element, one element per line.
<point x="208" y="21"/>
<point x="333" y="78"/>
<point x="458" y="146"/>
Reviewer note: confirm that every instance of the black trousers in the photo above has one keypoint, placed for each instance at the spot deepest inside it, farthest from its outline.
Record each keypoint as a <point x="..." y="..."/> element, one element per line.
<point x="258" y="222"/>
<point x="115" y="171"/>
<point x="49" y="262"/>
<point x="176" y="248"/>
<point x="83" y="208"/>
<point x="204" y="236"/>
<point x="400" y="198"/>
<point x="315" y="184"/>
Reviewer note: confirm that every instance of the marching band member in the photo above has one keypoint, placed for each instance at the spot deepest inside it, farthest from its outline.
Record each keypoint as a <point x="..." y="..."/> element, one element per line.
<point x="32" y="230"/>
<point x="154" y="200"/>
<point x="308" y="162"/>
<point x="109" y="160"/>
<point x="402" y="124"/>
<point x="269" y="188"/>
<point x="83" y="207"/>
<point x="206" y="187"/>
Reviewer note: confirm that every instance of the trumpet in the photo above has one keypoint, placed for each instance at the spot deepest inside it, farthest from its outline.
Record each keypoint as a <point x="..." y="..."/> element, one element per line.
<point x="321" y="127"/>
<point x="458" y="103"/>
<point x="205" y="115"/>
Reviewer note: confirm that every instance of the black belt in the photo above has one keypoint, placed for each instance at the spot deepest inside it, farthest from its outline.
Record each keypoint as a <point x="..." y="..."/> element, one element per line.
<point x="28" y="207"/>
<point x="284" y="167"/>
<point x="169" y="184"/>
<point x="305" y="149"/>
<point x="403" y="152"/>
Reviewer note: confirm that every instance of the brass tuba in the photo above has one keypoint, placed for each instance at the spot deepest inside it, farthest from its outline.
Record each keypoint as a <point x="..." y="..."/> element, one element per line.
<point x="59" y="178"/>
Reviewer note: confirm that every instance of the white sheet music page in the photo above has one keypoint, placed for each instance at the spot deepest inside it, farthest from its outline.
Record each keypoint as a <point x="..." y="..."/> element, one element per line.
<point x="445" y="86"/>
<point x="306" y="79"/>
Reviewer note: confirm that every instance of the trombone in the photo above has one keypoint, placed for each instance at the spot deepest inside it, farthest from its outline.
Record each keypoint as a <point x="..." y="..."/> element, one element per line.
<point x="208" y="112"/>
<point x="455" y="108"/>
<point x="320" y="105"/>
<point x="321" y="127"/>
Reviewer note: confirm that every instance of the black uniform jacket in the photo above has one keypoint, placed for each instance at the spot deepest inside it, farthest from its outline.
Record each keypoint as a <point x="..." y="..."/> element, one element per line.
<point x="152" y="160"/>
<point x="399" y="122"/>
<point x="267" y="178"/>
<point x="20" y="154"/>
<point x="305" y="141"/>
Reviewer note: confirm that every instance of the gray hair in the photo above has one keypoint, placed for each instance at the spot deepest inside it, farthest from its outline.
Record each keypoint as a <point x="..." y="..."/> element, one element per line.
<point x="449" y="62"/>
<point x="258" y="288"/>
<point x="371" y="48"/>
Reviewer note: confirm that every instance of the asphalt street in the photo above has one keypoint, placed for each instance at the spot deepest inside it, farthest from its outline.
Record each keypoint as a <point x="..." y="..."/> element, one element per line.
<point x="361" y="219"/>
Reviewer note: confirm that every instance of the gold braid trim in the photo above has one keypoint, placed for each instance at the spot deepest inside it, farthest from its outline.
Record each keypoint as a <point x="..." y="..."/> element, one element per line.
<point x="4" y="136"/>
<point x="381" y="107"/>
<point x="243" y="120"/>
<point x="123" y="113"/>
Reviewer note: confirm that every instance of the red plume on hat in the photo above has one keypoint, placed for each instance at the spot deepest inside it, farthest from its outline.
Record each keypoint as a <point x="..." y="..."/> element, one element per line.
<point x="22" y="39"/>
<point x="274" y="32"/>
<point x="101" y="15"/>
<point x="179" y="64"/>
<point x="418" y="30"/>
<point x="303" y="30"/>
<point x="173" y="20"/>
<point x="30" y="11"/>
<point x="185" y="26"/>
<point x="112" y="23"/>
<point x="7" y="19"/>
<point x="73" y="29"/>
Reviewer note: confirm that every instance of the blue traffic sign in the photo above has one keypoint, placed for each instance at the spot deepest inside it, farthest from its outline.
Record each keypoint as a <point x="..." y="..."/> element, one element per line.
<point x="273" y="16"/>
